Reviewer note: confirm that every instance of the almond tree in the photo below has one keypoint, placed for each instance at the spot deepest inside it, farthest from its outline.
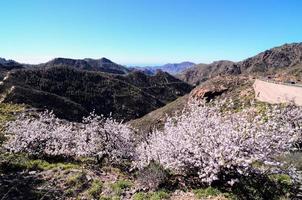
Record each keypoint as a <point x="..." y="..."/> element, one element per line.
<point x="207" y="142"/>
<point x="47" y="136"/>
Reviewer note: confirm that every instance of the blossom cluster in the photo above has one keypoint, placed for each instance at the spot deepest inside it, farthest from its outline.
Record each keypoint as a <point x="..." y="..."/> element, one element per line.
<point x="207" y="142"/>
<point x="46" y="135"/>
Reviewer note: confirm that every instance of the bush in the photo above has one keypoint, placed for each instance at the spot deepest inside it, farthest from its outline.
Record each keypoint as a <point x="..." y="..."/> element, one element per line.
<point x="159" y="195"/>
<point x="206" y="143"/>
<point x="206" y="192"/>
<point x="95" y="189"/>
<point x="152" y="176"/>
<point x="120" y="186"/>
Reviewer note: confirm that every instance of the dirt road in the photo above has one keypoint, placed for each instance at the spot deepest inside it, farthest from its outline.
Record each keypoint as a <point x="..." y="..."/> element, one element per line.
<point x="277" y="93"/>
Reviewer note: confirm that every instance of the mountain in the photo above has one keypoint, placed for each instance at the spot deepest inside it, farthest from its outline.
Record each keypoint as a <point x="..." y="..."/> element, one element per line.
<point x="270" y="61"/>
<point x="72" y="92"/>
<point x="171" y="68"/>
<point x="102" y="65"/>
<point x="203" y="72"/>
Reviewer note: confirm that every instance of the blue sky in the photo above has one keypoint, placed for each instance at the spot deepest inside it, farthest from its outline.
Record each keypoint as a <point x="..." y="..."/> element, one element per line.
<point x="146" y="32"/>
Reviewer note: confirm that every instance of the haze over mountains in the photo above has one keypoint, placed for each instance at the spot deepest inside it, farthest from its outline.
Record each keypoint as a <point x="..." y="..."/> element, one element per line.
<point x="171" y="68"/>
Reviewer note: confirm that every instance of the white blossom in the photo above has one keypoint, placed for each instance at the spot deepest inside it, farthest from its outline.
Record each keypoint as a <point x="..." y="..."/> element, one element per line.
<point x="46" y="135"/>
<point x="208" y="142"/>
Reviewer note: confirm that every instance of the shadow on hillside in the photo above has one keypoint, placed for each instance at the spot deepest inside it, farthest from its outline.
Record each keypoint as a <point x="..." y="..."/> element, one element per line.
<point x="18" y="186"/>
<point x="19" y="182"/>
<point x="256" y="186"/>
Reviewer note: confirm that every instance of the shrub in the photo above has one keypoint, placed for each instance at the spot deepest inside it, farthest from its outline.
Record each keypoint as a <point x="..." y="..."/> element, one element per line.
<point x="206" y="192"/>
<point x="205" y="142"/>
<point x="159" y="195"/>
<point x="77" y="179"/>
<point x="152" y="176"/>
<point x="95" y="188"/>
<point x="120" y="186"/>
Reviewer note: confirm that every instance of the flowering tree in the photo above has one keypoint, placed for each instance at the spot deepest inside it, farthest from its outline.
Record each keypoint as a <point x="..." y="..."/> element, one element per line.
<point x="104" y="137"/>
<point x="46" y="135"/>
<point x="40" y="136"/>
<point x="207" y="142"/>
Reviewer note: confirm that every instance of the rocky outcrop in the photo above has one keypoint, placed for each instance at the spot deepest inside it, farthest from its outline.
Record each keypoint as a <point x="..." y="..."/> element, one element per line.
<point x="218" y="86"/>
<point x="208" y="92"/>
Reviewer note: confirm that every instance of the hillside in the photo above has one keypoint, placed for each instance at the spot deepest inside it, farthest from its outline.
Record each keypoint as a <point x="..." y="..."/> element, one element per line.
<point x="239" y="88"/>
<point x="72" y="93"/>
<point x="278" y="59"/>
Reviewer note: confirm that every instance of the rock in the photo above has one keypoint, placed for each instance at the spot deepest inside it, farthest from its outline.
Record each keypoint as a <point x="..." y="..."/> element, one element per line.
<point x="208" y="92"/>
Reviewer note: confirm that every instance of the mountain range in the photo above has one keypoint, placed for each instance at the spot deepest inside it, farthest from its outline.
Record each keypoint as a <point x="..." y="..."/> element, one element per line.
<point x="171" y="68"/>
<point x="285" y="57"/>
<point x="74" y="87"/>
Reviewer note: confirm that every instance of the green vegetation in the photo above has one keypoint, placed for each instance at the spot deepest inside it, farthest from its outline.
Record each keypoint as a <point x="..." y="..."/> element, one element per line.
<point x="110" y="198"/>
<point x="263" y="187"/>
<point x="118" y="187"/>
<point x="159" y="195"/>
<point x="76" y="179"/>
<point x="76" y="183"/>
<point x="95" y="189"/>
<point x="281" y="179"/>
<point x="13" y="162"/>
<point x="206" y="192"/>
<point x="294" y="158"/>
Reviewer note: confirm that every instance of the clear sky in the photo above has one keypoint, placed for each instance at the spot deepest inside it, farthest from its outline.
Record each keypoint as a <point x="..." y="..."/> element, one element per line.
<point x="139" y="32"/>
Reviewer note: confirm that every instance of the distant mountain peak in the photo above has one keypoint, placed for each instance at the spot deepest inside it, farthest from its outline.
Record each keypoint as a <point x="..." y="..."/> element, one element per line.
<point x="171" y="68"/>
<point x="105" y="60"/>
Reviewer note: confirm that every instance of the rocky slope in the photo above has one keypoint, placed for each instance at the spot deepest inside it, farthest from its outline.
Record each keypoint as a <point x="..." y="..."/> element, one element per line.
<point x="73" y="93"/>
<point x="271" y="61"/>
